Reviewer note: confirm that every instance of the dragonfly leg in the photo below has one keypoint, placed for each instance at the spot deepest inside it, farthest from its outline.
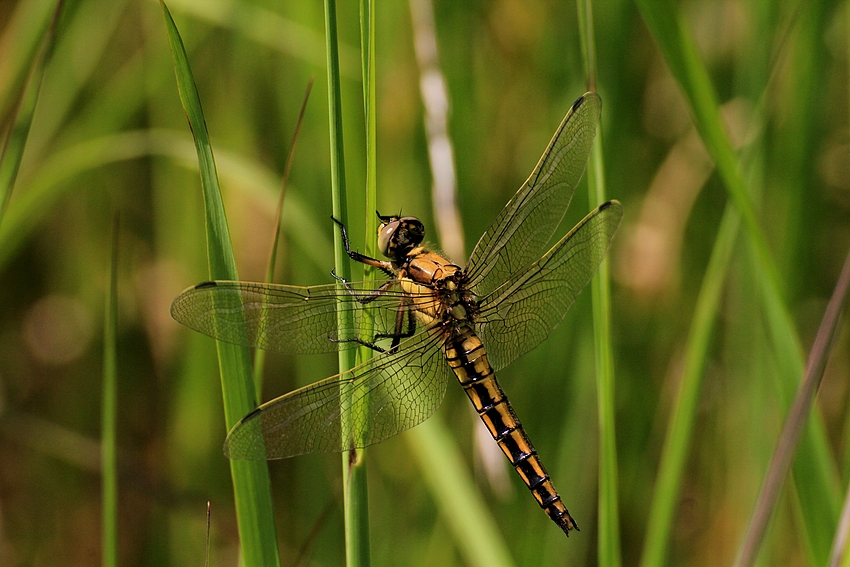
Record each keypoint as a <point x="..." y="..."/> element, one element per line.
<point x="385" y="267"/>
<point x="399" y="322"/>
<point x="363" y="299"/>
<point x="360" y="342"/>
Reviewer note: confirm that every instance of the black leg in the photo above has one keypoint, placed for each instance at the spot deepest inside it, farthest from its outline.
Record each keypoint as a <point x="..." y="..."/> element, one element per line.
<point x="385" y="267"/>
<point x="361" y="342"/>
<point x="399" y="322"/>
<point x="363" y="299"/>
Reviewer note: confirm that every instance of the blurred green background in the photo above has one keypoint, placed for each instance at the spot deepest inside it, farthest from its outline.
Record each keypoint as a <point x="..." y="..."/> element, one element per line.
<point x="109" y="134"/>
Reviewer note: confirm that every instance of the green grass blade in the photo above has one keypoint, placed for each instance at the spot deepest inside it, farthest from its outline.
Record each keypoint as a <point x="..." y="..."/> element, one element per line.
<point x="476" y="534"/>
<point x="22" y="114"/>
<point x="355" y="491"/>
<point x="608" y="544"/>
<point x="23" y="36"/>
<point x="680" y="427"/>
<point x="367" y="19"/>
<point x="109" y="412"/>
<point x="815" y="474"/>
<point x="252" y="492"/>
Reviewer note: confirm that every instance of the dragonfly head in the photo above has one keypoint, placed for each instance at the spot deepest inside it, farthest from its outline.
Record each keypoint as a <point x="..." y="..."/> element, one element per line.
<point x="399" y="235"/>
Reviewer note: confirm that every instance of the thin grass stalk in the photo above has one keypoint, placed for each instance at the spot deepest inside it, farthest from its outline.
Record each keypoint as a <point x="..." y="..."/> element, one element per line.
<point x="792" y="430"/>
<point x="608" y="544"/>
<point x="260" y="354"/>
<point x="677" y="442"/>
<point x="355" y="493"/>
<point x="367" y="34"/>
<point x="251" y="487"/>
<point x="815" y="476"/>
<point x="22" y="113"/>
<point x="357" y="471"/>
<point x="358" y="549"/>
<point x="109" y="412"/>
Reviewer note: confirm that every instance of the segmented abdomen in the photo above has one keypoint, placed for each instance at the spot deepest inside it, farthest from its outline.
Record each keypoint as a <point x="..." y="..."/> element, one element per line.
<point x="468" y="359"/>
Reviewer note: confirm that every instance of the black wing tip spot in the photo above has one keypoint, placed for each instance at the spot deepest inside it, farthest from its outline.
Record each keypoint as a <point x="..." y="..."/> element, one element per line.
<point x="205" y="285"/>
<point x="250" y="415"/>
<point x="240" y="454"/>
<point x="588" y="96"/>
<point x="579" y="101"/>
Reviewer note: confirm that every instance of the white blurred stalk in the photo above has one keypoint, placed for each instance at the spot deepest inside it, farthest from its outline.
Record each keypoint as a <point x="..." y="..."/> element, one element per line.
<point x="432" y="86"/>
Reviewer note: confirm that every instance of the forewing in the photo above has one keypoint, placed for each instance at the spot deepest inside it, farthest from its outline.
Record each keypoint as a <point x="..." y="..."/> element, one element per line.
<point x="519" y="233"/>
<point x="521" y="313"/>
<point x="374" y="401"/>
<point x="285" y="318"/>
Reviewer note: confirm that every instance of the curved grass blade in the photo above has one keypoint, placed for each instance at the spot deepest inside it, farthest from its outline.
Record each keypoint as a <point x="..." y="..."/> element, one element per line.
<point x="269" y="29"/>
<point x="252" y="493"/>
<point x="23" y="35"/>
<point x="51" y="184"/>
<point x="21" y="116"/>
<point x="815" y="471"/>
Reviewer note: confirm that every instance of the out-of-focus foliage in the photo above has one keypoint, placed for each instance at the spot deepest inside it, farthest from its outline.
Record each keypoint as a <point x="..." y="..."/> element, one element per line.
<point x="109" y="133"/>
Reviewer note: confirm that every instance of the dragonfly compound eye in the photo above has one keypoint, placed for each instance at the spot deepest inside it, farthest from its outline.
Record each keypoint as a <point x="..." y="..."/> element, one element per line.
<point x="400" y="235"/>
<point x="385" y="236"/>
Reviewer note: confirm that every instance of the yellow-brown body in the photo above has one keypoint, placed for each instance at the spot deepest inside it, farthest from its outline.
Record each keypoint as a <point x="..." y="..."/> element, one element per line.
<point x="451" y="316"/>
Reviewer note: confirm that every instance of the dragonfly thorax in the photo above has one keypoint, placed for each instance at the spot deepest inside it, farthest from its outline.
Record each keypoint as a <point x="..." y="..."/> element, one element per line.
<point x="397" y="236"/>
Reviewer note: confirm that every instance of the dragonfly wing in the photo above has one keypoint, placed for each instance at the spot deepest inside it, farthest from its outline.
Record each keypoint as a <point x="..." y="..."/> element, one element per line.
<point x="521" y="313"/>
<point x="285" y="318"/>
<point x="372" y="402"/>
<point x="519" y="234"/>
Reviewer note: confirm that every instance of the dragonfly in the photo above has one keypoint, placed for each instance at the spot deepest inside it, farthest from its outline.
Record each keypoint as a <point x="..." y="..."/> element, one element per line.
<point x="428" y="321"/>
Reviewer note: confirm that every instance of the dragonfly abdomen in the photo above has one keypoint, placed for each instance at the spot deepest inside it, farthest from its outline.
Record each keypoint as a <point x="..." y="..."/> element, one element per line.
<point x="468" y="358"/>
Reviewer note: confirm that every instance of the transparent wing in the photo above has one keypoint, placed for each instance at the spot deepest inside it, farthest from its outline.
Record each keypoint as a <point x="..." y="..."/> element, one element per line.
<point x="374" y="401"/>
<point x="519" y="234"/>
<point x="521" y="313"/>
<point x="290" y="319"/>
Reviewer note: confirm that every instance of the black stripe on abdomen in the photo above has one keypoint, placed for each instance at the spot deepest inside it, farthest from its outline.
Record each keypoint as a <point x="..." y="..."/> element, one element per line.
<point x="468" y="359"/>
